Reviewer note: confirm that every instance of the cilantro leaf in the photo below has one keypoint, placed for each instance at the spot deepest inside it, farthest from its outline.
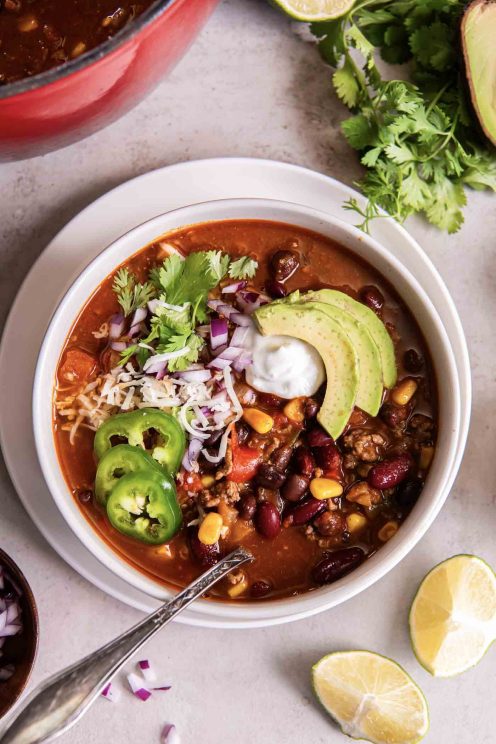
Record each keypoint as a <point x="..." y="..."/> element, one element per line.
<point x="243" y="268"/>
<point x="131" y="295"/>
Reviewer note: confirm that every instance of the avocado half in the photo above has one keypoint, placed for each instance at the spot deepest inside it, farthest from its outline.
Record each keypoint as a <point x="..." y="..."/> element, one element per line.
<point x="337" y="352"/>
<point x="478" y="35"/>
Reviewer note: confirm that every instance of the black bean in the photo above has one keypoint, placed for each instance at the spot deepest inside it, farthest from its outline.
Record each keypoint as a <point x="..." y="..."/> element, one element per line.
<point x="372" y="297"/>
<point x="281" y="457"/>
<point x="269" y="477"/>
<point x="284" y="263"/>
<point x="295" y="487"/>
<point x="412" y="361"/>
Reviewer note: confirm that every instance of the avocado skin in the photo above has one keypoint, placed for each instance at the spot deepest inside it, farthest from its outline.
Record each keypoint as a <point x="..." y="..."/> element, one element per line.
<point x="477" y="25"/>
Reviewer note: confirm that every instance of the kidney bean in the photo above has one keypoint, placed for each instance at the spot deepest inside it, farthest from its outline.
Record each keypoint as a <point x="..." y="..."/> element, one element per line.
<point x="311" y="408"/>
<point x="268" y="520"/>
<point x="295" y="487"/>
<point x="206" y="555"/>
<point x="390" y="472"/>
<point x="337" y="564"/>
<point x="275" y="289"/>
<point x="307" y="510"/>
<point x="269" y="400"/>
<point x="242" y="431"/>
<point x="248" y="507"/>
<point x="408" y="492"/>
<point x="412" y="361"/>
<point x="393" y="415"/>
<point x="317" y="437"/>
<point x="284" y="263"/>
<point x="260" y="589"/>
<point x="303" y="461"/>
<point x="372" y="297"/>
<point x="281" y="457"/>
<point x="269" y="477"/>
<point x="328" y="458"/>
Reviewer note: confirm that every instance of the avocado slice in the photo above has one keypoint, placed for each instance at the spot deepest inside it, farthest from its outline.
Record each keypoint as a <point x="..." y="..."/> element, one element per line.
<point x="370" y="387"/>
<point x="369" y="319"/>
<point x="335" y="348"/>
<point x="478" y="32"/>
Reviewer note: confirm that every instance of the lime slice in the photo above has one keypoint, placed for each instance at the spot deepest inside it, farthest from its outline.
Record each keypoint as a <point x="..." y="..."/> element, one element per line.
<point x="371" y="697"/>
<point x="315" y="10"/>
<point x="453" y="616"/>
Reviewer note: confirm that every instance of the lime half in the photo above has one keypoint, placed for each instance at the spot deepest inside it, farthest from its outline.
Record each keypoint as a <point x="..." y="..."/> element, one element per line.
<point x="315" y="10"/>
<point x="453" y="616"/>
<point x="371" y="697"/>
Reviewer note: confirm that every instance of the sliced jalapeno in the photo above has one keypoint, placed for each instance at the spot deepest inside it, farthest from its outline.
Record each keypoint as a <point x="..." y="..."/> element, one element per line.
<point x="118" y="462"/>
<point x="143" y="505"/>
<point x="168" y="450"/>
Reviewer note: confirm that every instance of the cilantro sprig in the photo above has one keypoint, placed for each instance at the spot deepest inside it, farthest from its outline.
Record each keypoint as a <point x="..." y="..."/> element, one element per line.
<point x="181" y="286"/>
<point x="417" y="138"/>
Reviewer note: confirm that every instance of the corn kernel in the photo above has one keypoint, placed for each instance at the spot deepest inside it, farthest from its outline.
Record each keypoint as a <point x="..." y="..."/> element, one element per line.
<point x="325" y="488"/>
<point x="237" y="589"/>
<point x="387" y="531"/>
<point x="426" y="455"/>
<point x="355" y="522"/>
<point x="404" y="392"/>
<point x="210" y="529"/>
<point x="258" y="420"/>
<point x="295" y="410"/>
<point x="79" y="48"/>
<point x="207" y="481"/>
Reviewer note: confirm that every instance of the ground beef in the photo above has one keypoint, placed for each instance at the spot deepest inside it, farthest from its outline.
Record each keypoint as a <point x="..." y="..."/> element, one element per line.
<point x="330" y="523"/>
<point x="226" y="465"/>
<point x="365" y="445"/>
<point x="422" y="427"/>
<point x="362" y="493"/>
<point x="223" y="491"/>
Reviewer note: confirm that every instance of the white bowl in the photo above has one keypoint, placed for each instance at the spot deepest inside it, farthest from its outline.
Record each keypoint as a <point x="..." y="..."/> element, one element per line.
<point x="410" y="290"/>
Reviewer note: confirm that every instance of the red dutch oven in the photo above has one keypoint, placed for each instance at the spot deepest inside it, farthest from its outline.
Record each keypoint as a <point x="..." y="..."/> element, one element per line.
<point x="70" y="102"/>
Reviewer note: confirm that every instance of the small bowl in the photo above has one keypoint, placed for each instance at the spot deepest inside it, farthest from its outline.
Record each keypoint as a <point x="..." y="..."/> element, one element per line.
<point x="409" y="288"/>
<point x="11" y="689"/>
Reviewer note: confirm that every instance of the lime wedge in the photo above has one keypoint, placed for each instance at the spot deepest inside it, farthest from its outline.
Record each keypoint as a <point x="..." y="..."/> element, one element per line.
<point x="453" y="616"/>
<point x="315" y="10"/>
<point x="371" y="697"/>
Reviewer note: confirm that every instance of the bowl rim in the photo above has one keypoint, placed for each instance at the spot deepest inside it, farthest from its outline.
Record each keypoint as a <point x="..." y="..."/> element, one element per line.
<point x="95" y="54"/>
<point x="267" y="612"/>
<point x="13" y="568"/>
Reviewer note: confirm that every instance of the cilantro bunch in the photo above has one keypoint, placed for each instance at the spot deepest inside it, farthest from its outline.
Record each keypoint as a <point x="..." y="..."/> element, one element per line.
<point x="417" y="139"/>
<point x="182" y="286"/>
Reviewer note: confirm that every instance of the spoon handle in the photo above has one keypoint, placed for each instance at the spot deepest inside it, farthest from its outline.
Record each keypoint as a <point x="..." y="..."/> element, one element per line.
<point x="58" y="703"/>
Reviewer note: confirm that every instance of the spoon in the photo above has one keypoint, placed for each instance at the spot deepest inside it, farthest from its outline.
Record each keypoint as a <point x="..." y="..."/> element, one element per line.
<point x="57" y="704"/>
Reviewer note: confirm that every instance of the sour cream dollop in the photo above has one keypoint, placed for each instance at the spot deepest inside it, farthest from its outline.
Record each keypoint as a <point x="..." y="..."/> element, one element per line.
<point x="284" y="366"/>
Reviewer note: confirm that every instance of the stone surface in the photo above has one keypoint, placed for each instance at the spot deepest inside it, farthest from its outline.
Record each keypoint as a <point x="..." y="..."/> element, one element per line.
<point x="249" y="86"/>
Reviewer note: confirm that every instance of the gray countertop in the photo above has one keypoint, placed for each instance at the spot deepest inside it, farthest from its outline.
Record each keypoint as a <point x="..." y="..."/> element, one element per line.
<point x="250" y="86"/>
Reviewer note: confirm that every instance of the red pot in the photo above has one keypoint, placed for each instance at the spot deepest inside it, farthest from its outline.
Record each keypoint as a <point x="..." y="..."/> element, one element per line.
<point x="70" y="102"/>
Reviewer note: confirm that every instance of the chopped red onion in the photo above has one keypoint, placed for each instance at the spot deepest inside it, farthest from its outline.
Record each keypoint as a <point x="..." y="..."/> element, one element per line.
<point x="117" y="325"/>
<point x="222" y="308"/>
<point x="153" y="305"/>
<point x="251" y="301"/>
<point x="147" y="671"/>
<point x="232" y="288"/>
<point x="153" y="363"/>
<point x="218" y="332"/>
<point x="118" y="345"/>
<point x="139" y="316"/>
<point x="111" y="693"/>
<point x="241" y="319"/>
<point x="240" y="336"/>
<point x="219" y="363"/>
<point x="191" y="454"/>
<point x="10" y="617"/>
<point x="137" y="688"/>
<point x="203" y="330"/>
<point x="231" y="353"/>
<point x="135" y="330"/>
<point x="162" y="688"/>
<point x="244" y="360"/>
<point x="170" y="735"/>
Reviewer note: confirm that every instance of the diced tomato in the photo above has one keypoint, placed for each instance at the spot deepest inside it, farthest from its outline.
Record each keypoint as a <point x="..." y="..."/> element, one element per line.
<point x="78" y="366"/>
<point x="192" y="483"/>
<point x="245" y="461"/>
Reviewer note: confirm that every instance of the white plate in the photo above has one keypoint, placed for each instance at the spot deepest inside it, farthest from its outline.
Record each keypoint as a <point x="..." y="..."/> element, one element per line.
<point x="100" y="224"/>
